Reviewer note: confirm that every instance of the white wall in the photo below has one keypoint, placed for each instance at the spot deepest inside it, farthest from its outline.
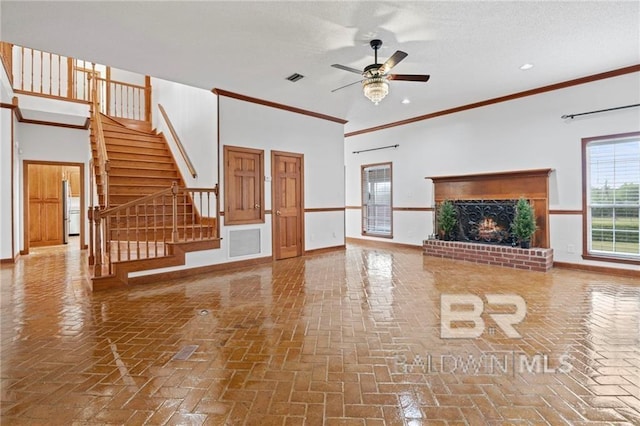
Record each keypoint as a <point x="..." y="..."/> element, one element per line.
<point x="56" y="108"/>
<point x="126" y="76"/>
<point x="54" y="144"/>
<point x="193" y="113"/>
<point x="17" y="179"/>
<point x="6" y="91"/>
<point x="6" y="116"/>
<point x="525" y="133"/>
<point x="322" y="143"/>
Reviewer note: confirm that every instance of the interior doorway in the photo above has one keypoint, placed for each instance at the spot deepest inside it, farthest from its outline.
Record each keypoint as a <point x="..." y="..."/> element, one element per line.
<point x="287" y="186"/>
<point x="53" y="204"/>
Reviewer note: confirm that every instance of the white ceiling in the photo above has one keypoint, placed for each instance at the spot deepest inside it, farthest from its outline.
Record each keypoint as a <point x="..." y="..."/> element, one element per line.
<point x="472" y="50"/>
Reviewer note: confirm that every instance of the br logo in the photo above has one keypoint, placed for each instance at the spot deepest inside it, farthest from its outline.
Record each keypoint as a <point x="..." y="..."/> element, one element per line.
<point x="463" y="315"/>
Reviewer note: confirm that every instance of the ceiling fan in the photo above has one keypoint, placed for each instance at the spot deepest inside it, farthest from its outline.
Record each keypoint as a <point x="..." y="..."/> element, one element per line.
<point x="375" y="81"/>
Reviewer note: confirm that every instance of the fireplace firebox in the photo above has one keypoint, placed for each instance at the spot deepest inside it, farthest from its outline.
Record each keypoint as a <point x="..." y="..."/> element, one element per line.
<point x="485" y="221"/>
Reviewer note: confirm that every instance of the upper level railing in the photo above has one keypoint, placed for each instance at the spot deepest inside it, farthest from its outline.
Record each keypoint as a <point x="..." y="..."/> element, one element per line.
<point x="47" y="74"/>
<point x="124" y="100"/>
<point x="6" y="56"/>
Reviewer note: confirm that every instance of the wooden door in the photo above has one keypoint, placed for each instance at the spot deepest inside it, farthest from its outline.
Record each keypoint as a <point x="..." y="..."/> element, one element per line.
<point x="45" y="205"/>
<point x="287" y="205"/>
<point x="243" y="188"/>
<point x="72" y="174"/>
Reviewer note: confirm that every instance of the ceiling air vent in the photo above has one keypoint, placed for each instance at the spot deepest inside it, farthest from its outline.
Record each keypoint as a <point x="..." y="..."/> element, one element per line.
<point x="295" y="77"/>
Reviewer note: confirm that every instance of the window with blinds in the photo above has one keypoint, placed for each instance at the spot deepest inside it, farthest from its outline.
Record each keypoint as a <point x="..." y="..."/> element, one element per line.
<point x="377" y="206"/>
<point x="613" y="196"/>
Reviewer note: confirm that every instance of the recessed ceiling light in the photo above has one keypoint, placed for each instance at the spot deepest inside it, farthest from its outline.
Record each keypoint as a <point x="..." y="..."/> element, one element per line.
<point x="526" y="66"/>
<point x="406" y="101"/>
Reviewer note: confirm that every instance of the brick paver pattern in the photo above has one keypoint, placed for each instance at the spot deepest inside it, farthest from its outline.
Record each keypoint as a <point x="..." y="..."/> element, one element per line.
<point x="344" y="338"/>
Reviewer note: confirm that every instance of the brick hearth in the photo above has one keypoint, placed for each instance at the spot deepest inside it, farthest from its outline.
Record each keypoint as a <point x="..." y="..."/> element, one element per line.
<point x="535" y="259"/>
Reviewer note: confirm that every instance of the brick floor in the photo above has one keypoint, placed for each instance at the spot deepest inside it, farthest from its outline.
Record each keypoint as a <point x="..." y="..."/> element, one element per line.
<point x="344" y="338"/>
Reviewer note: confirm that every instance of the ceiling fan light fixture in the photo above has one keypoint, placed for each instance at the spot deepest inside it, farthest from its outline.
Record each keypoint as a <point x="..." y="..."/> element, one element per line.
<point x="375" y="88"/>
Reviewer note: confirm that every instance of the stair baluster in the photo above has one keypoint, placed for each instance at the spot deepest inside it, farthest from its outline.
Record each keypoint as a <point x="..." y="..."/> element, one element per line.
<point x="97" y="266"/>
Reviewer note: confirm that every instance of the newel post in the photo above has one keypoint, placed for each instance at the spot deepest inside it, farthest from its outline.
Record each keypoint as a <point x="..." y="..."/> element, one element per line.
<point x="174" y="212"/>
<point x="147" y="99"/>
<point x="97" y="265"/>
<point x="90" y="217"/>
<point x="107" y="169"/>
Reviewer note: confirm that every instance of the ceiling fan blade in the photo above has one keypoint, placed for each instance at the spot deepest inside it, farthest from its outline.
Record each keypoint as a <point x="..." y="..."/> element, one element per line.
<point x="343" y="67"/>
<point x="393" y="61"/>
<point x="346" y="85"/>
<point x="409" y="77"/>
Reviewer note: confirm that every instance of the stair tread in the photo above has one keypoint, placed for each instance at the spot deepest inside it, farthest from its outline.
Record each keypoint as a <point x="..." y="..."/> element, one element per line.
<point x="122" y="169"/>
<point x="120" y="177"/>
<point x="143" y="160"/>
<point x="141" y="184"/>
<point x="118" y="155"/>
<point x="175" y="177"/>
<point x="129" y="150"/>
<point x="113" y="121"/>
<point x="112" y="134"/>
<point x="135" y="143"/>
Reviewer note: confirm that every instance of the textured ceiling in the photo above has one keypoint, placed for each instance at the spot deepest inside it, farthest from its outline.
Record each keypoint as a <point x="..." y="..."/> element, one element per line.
<point x="472" y="50"/>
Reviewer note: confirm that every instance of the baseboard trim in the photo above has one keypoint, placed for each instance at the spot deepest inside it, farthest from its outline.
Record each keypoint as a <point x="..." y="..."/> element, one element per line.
<point x="183" y="273"/>
<point x="381" y="244"/>
<point x="598" y="269"/>
<point x="324" y="250"/>
<point x="9" y="260"/>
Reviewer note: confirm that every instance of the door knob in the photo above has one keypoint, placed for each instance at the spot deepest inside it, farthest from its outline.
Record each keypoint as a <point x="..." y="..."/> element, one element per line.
<point x="257" y="206"/>
<point x="278" y="212"/>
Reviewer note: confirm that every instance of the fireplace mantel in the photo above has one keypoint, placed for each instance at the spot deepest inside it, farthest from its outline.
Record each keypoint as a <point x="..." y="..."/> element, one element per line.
<point x="532" y="185"/>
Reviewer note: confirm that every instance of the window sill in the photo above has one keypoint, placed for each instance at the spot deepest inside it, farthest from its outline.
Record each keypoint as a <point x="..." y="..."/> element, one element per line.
<point x="604" y="258"/>
<point x="365" y="234"/>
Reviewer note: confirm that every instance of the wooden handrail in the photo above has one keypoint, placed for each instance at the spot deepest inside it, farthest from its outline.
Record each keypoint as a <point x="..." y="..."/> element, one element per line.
<point x="121" y="207"/>
<point x="103" y="157"/>
<point x="140" y="229"/>
<point x="121" y="83"/>
<point x="175" y="137"/>
<point x="166" y="191"/>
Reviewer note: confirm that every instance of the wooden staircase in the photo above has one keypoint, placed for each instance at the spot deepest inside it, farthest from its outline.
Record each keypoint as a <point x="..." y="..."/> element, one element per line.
<point x="140" y="162"/>
<point x="148" y="213"/>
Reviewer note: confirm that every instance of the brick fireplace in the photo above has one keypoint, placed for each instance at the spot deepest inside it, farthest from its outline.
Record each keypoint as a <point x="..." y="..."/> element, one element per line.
<point x="494" y="246"/>
<point x="536" y="259"/>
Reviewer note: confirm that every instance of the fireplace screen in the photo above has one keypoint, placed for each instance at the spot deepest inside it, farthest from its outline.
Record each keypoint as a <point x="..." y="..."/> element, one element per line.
<point x="485" y="221"/>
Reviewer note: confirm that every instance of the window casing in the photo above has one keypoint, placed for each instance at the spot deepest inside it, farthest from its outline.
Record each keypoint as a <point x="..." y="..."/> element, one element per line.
<point x="377" y="200"/>
<point x="611" y="183"/>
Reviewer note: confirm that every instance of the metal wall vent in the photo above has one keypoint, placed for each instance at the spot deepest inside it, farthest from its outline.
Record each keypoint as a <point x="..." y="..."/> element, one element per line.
<point x="295" y="77"/>
<point x="244" y="242"/>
